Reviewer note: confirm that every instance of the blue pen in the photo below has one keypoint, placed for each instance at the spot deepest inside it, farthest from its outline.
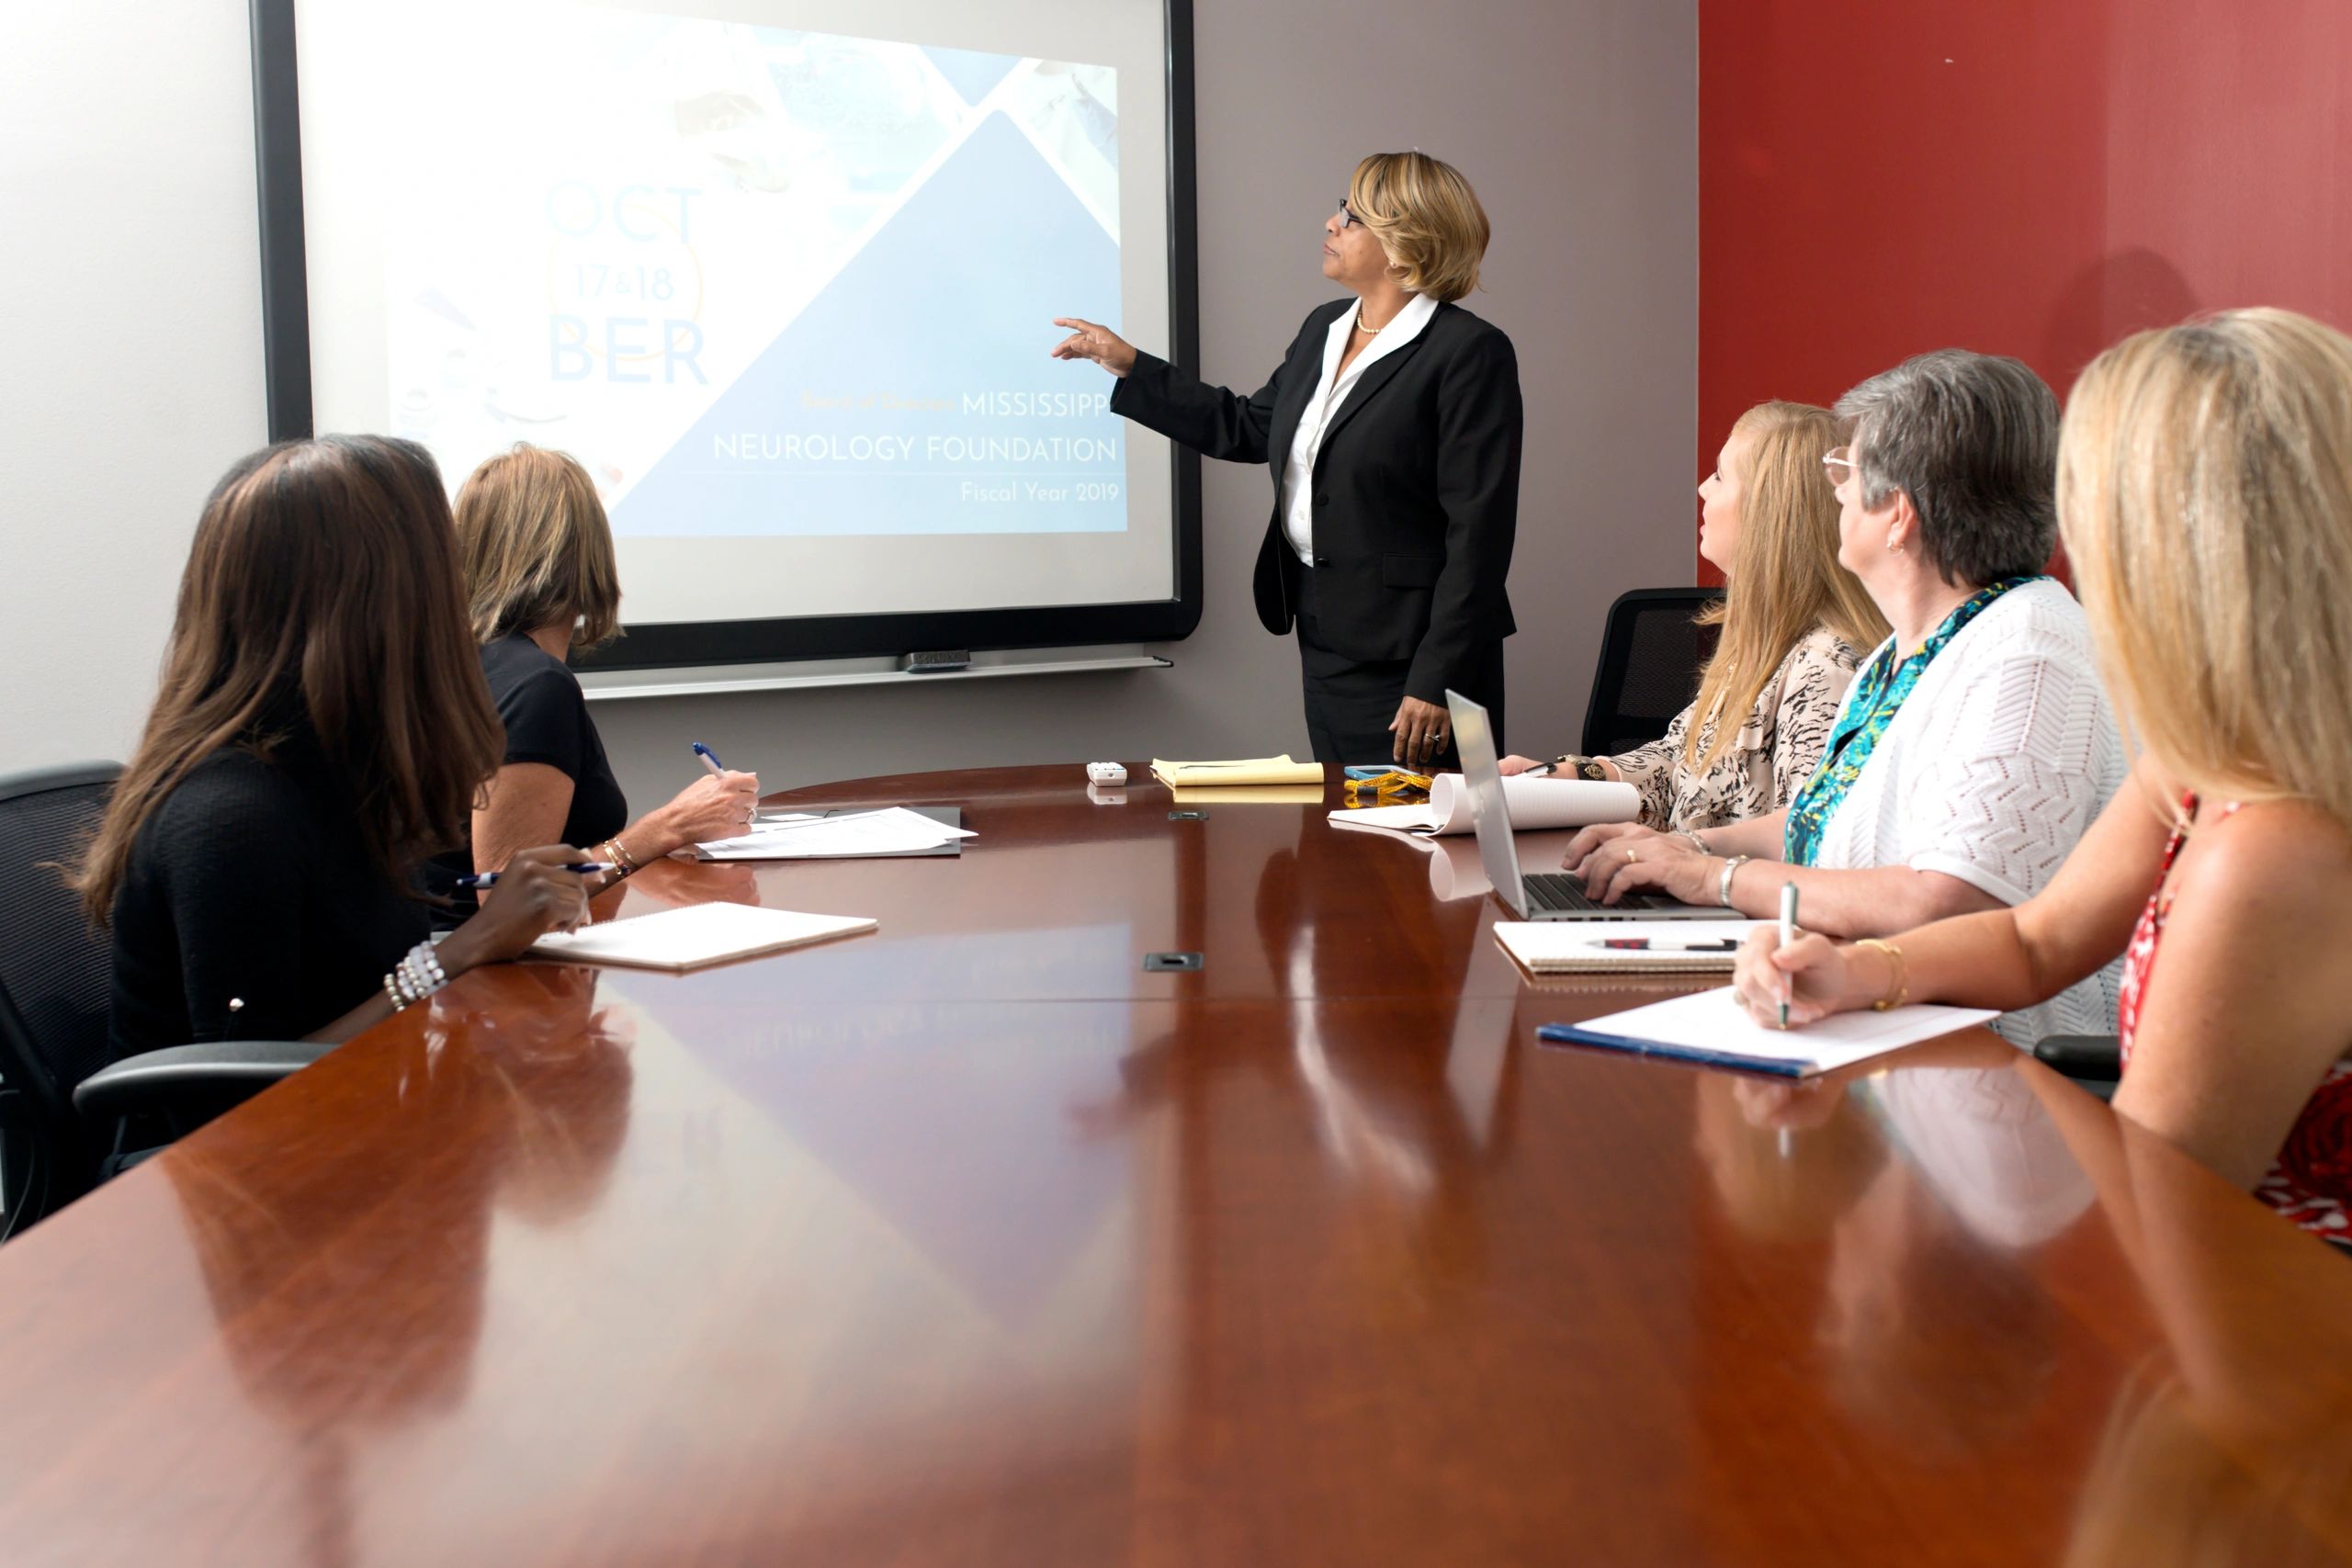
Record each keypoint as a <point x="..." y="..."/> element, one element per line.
<point x="709" y="758"/>
<point x="578" y="868"/>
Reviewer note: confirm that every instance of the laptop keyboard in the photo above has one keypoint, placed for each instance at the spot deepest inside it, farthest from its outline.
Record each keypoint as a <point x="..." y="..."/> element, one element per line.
<point x="1558" y="890"/>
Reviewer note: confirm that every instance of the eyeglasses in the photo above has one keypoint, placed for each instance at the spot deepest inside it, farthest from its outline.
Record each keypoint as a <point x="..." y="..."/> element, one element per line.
<point x="1348" y="219"/>
<point x="1841" y="465"/>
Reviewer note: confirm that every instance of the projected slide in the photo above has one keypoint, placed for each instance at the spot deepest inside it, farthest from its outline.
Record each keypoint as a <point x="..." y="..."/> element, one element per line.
<point x="775" y="282"/>
<point x="782" y="278"/>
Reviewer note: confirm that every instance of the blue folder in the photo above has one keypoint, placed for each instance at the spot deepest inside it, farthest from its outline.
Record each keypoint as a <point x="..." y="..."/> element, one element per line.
<point x="1571" y="1034"/>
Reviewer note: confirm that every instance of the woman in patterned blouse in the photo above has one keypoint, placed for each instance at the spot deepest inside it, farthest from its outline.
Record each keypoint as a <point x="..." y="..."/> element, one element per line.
<point x="2205" y="484"/>
<point x="1794" y="625"/>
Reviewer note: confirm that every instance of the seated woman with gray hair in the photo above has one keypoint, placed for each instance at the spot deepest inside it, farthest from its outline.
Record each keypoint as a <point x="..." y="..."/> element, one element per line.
<point x="1977" y="743"/>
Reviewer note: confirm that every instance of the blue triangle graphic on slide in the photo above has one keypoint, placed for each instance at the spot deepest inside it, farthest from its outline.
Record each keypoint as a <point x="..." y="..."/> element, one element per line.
<point x="970" y="73"/>
<point x="954" y="299"/>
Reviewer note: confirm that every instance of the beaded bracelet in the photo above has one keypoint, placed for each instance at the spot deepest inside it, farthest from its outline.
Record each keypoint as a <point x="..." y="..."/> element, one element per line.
<point x="416" y="976"/>
<point x="422" y="969"/>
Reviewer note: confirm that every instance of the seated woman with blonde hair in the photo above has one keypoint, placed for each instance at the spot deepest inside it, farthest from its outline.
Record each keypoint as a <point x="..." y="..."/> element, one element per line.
<point x="1794" y="623"/>
<point x="540" y="582"/>
<point x="2205" y="494"/>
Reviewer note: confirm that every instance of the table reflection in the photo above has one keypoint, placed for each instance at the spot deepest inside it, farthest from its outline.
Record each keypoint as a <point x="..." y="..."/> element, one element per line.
<point x="1924" y="1183"/>
<point x="1926" y="1222"/>
<point x="341" y="1330"/>
<point x="2231" y="1439"/>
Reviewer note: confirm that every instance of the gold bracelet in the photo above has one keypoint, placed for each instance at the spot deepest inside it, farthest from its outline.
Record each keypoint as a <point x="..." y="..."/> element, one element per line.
<point x="619" y="856"/>
<point x="1901" y="989"/>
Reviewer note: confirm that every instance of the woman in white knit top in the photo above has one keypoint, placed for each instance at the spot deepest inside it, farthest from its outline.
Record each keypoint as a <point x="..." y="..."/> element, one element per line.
<point x="1977" y="743"/>
<point x="1794" y="625"/>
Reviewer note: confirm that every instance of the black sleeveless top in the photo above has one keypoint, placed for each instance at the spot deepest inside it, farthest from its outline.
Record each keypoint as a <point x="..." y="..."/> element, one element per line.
<point x="539" y="701"/>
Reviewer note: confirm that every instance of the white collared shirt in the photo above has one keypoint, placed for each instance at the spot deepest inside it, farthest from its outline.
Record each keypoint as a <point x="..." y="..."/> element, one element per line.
<point x="1298" y="469"/>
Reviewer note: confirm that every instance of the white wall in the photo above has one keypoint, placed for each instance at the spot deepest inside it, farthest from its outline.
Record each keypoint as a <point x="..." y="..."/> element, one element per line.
<point x="130" y="294"/>
<point x="130" y="266"/>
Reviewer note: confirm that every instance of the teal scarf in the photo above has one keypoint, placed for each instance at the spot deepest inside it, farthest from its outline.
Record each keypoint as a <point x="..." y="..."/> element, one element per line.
<point x="1877" y="697"/>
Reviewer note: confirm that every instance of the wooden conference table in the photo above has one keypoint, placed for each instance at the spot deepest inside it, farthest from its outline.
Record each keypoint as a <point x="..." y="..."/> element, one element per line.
<point x="970" y="1242"/>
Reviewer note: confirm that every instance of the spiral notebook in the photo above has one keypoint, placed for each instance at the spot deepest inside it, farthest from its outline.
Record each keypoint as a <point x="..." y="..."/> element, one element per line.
<point x="1598" y="947"/>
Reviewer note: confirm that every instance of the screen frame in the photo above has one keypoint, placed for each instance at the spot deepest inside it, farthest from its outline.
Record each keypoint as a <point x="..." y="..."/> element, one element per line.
<point x="286" y="354"/>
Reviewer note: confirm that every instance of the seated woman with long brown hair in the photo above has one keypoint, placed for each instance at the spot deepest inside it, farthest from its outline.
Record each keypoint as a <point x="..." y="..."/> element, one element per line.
<point x="2205" y="496"/>
<point x="321" y="729"/>
<point x="541" y="581"/>
<point x="1795" y="625"/>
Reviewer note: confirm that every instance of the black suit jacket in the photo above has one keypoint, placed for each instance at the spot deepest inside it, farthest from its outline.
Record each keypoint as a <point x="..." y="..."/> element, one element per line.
<point x="1416" y="488"/>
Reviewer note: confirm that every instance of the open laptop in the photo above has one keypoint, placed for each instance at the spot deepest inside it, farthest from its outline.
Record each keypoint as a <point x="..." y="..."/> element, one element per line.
<point x="1546" y="895"/>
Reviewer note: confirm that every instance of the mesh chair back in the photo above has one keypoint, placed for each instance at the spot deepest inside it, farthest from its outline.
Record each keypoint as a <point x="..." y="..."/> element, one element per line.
<point x="1651" y="655"/>
<point x="55" y="970"/>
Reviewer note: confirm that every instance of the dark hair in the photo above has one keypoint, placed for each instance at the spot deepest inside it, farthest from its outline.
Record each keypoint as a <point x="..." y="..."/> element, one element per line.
<point x="1973" y="440"/>
<point x="321" y="594"/>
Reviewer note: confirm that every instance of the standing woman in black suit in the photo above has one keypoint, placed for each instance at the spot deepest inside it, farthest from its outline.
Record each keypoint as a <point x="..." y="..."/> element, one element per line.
<point x="1392" y="426"/>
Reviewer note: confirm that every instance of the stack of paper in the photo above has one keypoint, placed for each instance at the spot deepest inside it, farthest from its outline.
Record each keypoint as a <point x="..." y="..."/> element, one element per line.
<point x="695" y="936"/>
<point x="1255" y="770"/>
<point x="1533" y="802"/>
<point x="1582" y="947"/>
<point x="1711" y="1027"/>
<point x="892" y="831"/>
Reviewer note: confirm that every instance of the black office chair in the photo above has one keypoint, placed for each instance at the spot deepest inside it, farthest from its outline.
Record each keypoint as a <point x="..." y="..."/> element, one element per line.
<point x="2094" y="1061"/>
<point x="68" y="1116"/>
<point x="1651" y="653"/>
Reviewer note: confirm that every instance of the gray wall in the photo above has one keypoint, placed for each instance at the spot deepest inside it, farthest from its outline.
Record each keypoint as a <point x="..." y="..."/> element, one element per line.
<point x="132" y="176"/>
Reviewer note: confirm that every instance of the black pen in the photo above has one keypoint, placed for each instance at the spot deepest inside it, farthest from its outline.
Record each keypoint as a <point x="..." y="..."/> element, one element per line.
<point x="578" y="868"/>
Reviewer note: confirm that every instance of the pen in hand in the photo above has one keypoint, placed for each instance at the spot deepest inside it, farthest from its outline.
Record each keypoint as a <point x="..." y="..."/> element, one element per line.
<point x="1788" y="935"/>
<point x="580" y="868"/>
<point x="709" y="758"/>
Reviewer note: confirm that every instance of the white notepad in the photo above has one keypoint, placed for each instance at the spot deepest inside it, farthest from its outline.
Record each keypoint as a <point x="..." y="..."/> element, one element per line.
<point x="890" y="830"/>
<point x="1711" y="1027"/>
<point x="696" y="935"/>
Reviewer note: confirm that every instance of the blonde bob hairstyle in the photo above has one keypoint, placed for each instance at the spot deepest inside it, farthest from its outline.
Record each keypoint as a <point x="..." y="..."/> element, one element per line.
<point x="537" y="549"/>
<point x="1784" y="579"/>
<point x="2205" y="498"/>
<point x="1427" y="219"/>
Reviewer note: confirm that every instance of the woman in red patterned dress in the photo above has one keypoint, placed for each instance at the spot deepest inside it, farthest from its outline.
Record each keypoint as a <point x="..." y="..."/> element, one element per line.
<point x="2205" y="497"/>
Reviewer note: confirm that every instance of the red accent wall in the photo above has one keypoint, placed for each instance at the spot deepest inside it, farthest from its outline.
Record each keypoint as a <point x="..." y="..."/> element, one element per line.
<point x="2034" y="177"/>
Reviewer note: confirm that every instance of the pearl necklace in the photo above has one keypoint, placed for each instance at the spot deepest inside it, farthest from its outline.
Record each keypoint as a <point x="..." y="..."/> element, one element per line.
<point x="1368" y="331"/>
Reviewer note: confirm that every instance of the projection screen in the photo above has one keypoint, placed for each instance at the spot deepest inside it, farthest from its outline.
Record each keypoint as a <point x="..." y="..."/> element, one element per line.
<point x="780" y="273"/>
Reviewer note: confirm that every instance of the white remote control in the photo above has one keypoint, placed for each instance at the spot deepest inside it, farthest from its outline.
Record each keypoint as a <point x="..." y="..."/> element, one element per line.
<point x="1106" y="773"/>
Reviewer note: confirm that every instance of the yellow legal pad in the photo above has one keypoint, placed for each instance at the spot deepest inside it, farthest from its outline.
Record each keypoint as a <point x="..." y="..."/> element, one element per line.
<point x="1250" y="794"/>
<point x="1254" y="770"/>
